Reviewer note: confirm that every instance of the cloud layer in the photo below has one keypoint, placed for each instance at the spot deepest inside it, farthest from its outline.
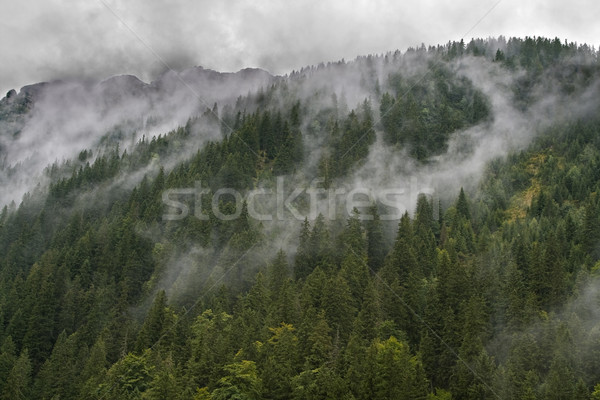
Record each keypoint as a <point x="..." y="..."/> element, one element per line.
<point x="50" y="39"/>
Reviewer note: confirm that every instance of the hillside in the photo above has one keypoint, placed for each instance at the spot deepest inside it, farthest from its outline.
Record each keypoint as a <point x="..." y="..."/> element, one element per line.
<point x="419" y="224"/>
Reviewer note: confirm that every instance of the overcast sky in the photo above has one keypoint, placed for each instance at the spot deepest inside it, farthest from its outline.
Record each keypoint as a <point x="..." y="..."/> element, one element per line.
<point x="50" y="39"/>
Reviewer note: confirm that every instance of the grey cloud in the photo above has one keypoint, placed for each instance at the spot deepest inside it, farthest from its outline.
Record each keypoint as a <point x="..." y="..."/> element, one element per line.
<point x="44" y="40"/>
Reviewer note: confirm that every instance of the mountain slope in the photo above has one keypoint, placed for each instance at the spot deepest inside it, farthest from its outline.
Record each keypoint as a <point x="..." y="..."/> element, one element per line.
<point x="468" y="265"/>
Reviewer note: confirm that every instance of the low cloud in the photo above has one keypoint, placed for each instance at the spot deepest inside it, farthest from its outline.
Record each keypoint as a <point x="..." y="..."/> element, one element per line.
<point x="51" y="39"/>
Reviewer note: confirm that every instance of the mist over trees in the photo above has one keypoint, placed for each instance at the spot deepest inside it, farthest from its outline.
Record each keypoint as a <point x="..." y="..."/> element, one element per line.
<point x="486" y="289"/>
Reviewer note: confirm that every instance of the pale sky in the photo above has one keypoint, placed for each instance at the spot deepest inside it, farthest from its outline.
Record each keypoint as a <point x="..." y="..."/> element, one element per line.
<point x="51" y="39"/>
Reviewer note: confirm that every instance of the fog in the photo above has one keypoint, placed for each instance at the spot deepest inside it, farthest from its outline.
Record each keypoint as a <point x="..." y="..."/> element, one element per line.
<point x="55" y="39"/>
<point x="70" y="116"/>
<point x="509" y="129"/>
<point x="67" y="116"/>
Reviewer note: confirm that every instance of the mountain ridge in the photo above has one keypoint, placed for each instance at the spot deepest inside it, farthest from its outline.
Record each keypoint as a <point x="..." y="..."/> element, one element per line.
<point x="33" y="89"/>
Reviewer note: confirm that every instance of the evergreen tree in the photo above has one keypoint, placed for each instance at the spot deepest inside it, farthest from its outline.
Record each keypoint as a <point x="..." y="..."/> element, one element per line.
<point x="462" y="206"/>
<point x="376" y="249"/>
<point x="94" y="370"/>
<point x="156" y="324"/>
<point x="304" y="260"/>
<point x="7" y="360"/>
<point x="241" y="382"/>
<point x="279" y="362"/>
<point x="18" y="381"/>
<point x="58" y="376"/>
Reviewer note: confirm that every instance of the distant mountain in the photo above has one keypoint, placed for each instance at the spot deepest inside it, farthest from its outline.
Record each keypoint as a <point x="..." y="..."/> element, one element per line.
<point x="51" y="121"/>
<point x="194" y="85"/>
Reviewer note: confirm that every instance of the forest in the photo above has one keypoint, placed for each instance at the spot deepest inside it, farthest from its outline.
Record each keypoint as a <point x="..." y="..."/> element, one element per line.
<point x="487" y="290"/>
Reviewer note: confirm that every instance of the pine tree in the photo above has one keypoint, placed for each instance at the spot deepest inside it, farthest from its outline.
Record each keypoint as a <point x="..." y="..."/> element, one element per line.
<point x="369" y="318"/>
<point x="376" y="249"/>
<point x="279" y="362"/>
<point x="556" y="273"/>
<point x="473" y="373"/>
<point x="284" y="161"/>
<point x="164" y="384"/>
<point x="156" y="323"/>
<point x="425" y="228"/>
<point x="58" y="376"/>
<point x="277" y="274"/>
<point x="319" y="343"/>
<point x="402" y="259"/>
<point x="211" y="347"/>
<point x="18" y="382"/>
<point x="314" y="290"/>
<point x="320" y="244"/>
<point x="338" y="306"/>
<point x="7" y="360"/>
<point x="357" y="367"/>
<point x="462" y="205"/>
<point x="304" y="260"/>
<point x="241" y="382"/>
<point x="94" y="370"/>
<point x="396" y="374"/>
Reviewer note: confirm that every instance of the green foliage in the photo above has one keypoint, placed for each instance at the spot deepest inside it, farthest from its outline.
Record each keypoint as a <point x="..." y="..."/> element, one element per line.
<point x="424" y="111"/>
<point x="396" y="374"/>
<point x="495" y="296"/>
<point x="129" y="378"/>
<point x="279" y="361"/>
<point x="242" y="382"/>
<point x="18" y="381"/>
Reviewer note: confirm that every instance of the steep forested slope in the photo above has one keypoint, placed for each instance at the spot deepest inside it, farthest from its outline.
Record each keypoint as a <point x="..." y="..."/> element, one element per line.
<point x="486" y="291"/>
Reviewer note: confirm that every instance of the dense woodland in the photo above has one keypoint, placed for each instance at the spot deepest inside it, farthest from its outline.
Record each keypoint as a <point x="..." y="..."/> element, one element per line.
<point x="493" y="297"/>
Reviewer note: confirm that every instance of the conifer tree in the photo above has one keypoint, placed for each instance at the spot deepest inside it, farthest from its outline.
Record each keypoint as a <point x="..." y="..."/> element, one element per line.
<point x="376" y="249"/>
<point x="18" y="381"/>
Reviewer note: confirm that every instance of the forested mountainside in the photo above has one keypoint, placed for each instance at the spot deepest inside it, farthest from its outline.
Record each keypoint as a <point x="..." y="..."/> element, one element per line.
<point x="140" y="264"/>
